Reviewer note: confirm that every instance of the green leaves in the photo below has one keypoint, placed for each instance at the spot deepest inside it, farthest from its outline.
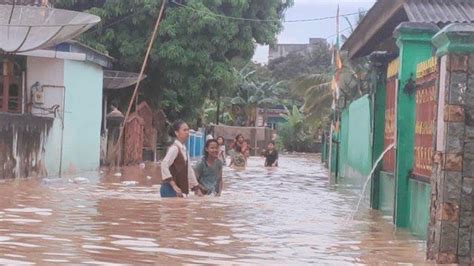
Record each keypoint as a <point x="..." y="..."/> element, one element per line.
<point x="293" y="135"/>
<point x="195" y="47"/>
<point x="253" y="91"/>
<point x="296" y="65"/>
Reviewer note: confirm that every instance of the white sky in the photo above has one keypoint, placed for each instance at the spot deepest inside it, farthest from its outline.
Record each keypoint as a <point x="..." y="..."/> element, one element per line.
<point x="302" y="31"/>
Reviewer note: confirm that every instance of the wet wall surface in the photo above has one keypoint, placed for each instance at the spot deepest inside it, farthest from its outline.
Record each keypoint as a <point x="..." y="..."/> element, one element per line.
<point x="22" y="139"/>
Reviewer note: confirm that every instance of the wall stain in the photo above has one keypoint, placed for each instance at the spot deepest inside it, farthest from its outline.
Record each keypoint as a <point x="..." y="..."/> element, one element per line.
<point x="22" y="141"/>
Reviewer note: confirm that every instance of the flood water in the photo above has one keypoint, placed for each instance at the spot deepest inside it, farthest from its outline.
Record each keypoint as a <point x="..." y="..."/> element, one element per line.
<point x="289" y="215"/>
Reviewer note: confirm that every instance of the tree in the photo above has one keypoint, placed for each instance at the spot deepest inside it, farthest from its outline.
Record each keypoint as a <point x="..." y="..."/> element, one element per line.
<point x="316" y="91"/>
<point x="293" y="134"/>
<point x="298" y="70"/>
<point x="191" y="59"/>
<point x="210" y="113"/>
<point x="315" y="88"/>
<point x="252" y="93"/>
<point x="295" y="65"/>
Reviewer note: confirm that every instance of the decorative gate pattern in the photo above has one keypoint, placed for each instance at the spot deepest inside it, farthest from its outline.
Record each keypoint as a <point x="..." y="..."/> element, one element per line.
<point x="426" y="99"/>
<point x="390" y="114"/>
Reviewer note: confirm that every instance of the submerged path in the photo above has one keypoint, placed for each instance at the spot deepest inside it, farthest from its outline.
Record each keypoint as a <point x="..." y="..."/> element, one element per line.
<point x="265" y="216"/>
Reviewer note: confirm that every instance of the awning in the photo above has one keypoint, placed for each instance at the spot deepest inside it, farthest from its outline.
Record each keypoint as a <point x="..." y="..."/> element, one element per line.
<point x="120" y="79"/>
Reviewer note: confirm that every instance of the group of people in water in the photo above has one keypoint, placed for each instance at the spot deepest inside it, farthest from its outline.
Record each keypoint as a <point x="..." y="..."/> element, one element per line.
<point x="205" y="178"/>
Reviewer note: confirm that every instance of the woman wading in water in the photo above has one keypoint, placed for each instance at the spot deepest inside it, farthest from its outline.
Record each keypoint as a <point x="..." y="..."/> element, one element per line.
<point x="209" y="170"/>
<point x="177" y="174"/>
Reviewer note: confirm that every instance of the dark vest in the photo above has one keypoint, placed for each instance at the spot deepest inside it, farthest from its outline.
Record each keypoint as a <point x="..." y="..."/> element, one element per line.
<point x="179" y="171"/>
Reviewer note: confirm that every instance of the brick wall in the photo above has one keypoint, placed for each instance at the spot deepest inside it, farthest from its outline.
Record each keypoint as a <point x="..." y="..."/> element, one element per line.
<point x="451" y="235"/>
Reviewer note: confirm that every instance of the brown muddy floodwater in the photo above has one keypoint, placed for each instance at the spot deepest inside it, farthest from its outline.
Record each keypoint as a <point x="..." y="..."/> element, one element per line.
<point x="290" y="215"/>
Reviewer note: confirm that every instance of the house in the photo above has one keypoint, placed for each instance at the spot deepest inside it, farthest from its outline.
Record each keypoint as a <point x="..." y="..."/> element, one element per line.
<point x="417" y="120"/>
<point x="51" y="113"/>
<point x="270" y="117"/>
<point x="63" y="88"/>
<point x="70" y="77"/>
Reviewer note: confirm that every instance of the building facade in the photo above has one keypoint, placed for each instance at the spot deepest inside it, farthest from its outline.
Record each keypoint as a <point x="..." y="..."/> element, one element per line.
<point x="419" y="121"/>
<point x="282" y="50"/>
<point x="62" y="101"/>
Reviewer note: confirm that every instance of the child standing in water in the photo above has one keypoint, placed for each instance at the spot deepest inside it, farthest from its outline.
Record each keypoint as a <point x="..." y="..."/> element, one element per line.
<point x="271" y="155"/>
<point x="177" y="174"/>
<point x="209" y="170"/>
<point x="238" y="158"/>
<point x="240" y="152"/>
<point x="222" y="149"/>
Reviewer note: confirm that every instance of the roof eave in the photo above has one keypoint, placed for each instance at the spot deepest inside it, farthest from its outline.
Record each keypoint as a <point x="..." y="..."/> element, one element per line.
<point x="374" y="20"/>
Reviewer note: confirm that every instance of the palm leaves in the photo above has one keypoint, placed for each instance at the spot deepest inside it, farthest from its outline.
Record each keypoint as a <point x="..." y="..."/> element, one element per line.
<point x="253" y="93"/>
<point x="315" y="90"/>
<point x="293" y="134"/>
<point x="295" y="117"/>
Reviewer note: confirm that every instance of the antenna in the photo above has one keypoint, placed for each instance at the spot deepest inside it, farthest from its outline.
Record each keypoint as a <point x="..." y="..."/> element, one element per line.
<point x="25" y="28"/>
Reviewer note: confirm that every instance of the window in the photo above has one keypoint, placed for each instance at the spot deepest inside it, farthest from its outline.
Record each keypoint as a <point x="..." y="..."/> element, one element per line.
<point x="11" y="79"/>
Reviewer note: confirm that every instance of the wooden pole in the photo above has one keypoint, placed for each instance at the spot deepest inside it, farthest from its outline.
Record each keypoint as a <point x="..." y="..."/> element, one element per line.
<point x="145" y="62"/>
<point x="6" y="85"/>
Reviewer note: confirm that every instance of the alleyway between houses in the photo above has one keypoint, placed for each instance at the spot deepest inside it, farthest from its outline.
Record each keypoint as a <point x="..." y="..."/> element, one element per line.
<point x="289" y="215"/>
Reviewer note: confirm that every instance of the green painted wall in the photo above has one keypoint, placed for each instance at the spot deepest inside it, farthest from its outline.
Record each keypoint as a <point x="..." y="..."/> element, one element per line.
<point x="386" y="193"/>
<point x="359" y="150"/>
<point x="415" y="47"/>
<point x="379" y="132"/>
<point x="334" y="155"/>
<point x="419" y="201"/>
<point x="357" y="145"/>
<point x="344" y="141"/>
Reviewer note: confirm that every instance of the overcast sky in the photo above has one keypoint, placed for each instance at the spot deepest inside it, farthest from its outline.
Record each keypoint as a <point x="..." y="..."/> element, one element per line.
<point x="302" y="31"/>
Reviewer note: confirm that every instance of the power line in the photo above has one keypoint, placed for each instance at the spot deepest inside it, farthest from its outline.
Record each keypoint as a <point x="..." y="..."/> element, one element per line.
<point x="319" y="19"/>
<point x="263" y="20"/>
<point x="334" y="35"/>
<point x="229" y="17"/>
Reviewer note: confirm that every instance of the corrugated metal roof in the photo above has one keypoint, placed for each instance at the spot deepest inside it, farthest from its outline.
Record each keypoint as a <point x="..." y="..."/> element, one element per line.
<point x="440" y="11"/>
<point x="385" y="15"/>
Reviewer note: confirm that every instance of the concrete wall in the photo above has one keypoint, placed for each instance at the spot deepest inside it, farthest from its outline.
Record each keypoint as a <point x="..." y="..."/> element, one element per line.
<point x="256" y="137"/>
<point x="82" y="121"/>
<point x="419" y="202"/>
<point x="358" y="160"/>
<point x="48" y="72"/>
<point x="344" y="143"/>
<point x="386" y="193"/>
<point x="282" y="50"/>
<point x="22" y="143"/>
<point x="76" y="85"/>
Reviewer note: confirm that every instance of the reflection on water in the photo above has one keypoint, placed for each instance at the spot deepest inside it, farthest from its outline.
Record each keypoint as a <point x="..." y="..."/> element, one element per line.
<point x="265" y="216"/>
